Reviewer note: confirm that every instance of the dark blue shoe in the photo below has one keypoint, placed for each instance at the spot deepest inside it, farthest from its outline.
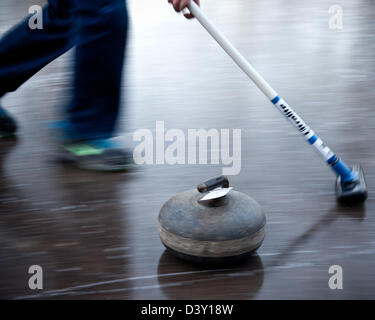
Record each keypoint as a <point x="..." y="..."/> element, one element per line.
<point x="8" y="125"/>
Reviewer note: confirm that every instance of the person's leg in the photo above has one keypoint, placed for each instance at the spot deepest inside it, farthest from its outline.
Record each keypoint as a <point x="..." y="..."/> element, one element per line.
<point x="23" y="51"/>
<point x="100" y="29"/>
<point x="92" y="115"/>
<point x="102" y="32"/>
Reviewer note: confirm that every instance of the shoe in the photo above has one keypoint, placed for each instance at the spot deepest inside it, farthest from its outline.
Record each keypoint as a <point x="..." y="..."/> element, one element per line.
<point x="8" y="125"/>
<point x="97" y="155"/>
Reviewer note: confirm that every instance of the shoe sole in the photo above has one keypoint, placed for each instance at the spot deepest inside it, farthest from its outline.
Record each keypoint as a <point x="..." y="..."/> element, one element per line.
<point x="103" y="168"/>
<point x="90" y="166"/>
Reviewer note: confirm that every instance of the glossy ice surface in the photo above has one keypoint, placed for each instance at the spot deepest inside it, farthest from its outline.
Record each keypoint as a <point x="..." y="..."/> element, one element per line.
<point x="95" y="235"/>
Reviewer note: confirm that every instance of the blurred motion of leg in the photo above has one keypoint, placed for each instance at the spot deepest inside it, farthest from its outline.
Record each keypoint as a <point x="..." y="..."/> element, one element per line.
<point x="101" y="40"/>
<point x="23" y="52"/>
<point x="99" y="29"/>
<point x="93" y="112"/>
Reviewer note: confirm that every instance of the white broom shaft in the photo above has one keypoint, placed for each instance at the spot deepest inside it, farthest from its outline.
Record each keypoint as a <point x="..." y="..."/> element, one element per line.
<point x="338" y="166"/>
<point x="232" y="51"/>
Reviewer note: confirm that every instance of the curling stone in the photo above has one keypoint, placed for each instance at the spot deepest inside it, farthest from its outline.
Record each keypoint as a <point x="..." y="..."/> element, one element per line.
<point x="212" y="224"/>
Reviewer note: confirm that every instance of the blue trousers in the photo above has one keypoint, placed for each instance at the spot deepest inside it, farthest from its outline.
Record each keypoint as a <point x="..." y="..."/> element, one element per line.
<point x="98" y="30"/>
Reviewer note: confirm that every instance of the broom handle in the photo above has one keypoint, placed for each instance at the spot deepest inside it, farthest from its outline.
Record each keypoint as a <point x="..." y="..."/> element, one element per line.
<point x="337" y="165"/>
<point x="232" y="51"/>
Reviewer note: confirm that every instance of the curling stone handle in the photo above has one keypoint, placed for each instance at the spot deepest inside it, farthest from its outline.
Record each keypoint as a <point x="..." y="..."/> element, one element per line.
<point x="214" y="183"/>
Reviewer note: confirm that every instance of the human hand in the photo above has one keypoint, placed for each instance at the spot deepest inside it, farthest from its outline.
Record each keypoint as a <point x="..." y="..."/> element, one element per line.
<point x="180" y="5"/>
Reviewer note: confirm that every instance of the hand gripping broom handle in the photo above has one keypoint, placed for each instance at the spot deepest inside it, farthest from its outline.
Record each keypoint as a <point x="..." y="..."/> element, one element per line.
<point x="337" y="165"/>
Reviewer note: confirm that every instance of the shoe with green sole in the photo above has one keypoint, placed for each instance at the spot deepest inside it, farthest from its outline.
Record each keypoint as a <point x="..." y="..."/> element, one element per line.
<point x="92" y="155"/>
